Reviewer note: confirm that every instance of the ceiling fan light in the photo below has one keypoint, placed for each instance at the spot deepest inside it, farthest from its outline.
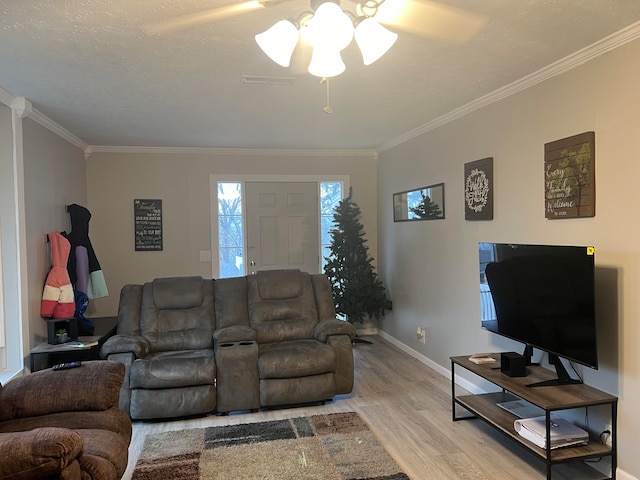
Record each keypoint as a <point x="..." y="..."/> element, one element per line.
<point x="373" y="40"/>
<point x="326" y="63"/>
<point x="279" y="42"/>
<point x="330" y="27"/>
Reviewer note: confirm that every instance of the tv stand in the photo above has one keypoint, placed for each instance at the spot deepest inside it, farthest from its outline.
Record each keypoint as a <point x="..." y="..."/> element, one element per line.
<point x="551" y="399"/>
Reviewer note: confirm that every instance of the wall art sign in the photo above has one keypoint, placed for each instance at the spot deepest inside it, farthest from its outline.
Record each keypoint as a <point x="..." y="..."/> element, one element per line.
<point x="425" y="203"/>
<point x="148" y="225"/>
<point x="478" y="190"/>
<point x="569" y="177"/>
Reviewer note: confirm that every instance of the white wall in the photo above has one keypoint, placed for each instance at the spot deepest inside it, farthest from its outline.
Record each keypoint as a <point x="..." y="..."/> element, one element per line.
<point x="54" y="176"/>
<point x="430" y="267"/>
<point x="181" y="180"/>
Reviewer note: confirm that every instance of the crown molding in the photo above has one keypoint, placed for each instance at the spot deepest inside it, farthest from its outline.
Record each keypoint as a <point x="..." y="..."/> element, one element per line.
<point x="266" y="152"/>
<point x="626" y="35"/>
<point x="24" y="109"/>
<point x="6" y="98"/>
<point x="21" y="107"/>
<point x="49" y="124"/>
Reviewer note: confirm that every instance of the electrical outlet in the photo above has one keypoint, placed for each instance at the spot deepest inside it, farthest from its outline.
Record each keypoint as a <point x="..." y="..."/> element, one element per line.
<point x="422" y="334"/>
<point x="205" y="255"/>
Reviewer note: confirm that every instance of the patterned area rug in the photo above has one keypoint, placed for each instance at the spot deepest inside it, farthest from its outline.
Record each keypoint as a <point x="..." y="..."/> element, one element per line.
<point x="336" y="446"/>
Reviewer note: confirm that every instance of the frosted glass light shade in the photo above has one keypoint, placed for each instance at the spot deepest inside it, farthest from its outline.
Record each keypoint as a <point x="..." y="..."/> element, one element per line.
<point x="326" y="63"/>
<point x="279" y="42"/>
<point x="330" y="28"/>
<point x="373" y="40"/>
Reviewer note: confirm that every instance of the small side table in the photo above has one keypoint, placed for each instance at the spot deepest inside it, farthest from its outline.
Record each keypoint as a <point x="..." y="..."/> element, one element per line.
<point x="45" y="355"/>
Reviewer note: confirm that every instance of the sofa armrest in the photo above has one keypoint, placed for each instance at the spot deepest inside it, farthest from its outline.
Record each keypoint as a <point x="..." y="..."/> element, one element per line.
<point x="113" y="419"/>
<point x="326" y="328"/>
<point x="39" y="453"/>
<point x="234" y="333"/>
<point x="94" y="386"/>
<point x="139" y="346"/>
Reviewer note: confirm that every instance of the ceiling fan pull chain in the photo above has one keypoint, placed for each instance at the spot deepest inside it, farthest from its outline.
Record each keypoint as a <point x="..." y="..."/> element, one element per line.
<point x="327" y="108"/>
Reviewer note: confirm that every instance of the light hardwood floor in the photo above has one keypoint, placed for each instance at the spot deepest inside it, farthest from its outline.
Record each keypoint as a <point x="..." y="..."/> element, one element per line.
<point x="408" y="406"/>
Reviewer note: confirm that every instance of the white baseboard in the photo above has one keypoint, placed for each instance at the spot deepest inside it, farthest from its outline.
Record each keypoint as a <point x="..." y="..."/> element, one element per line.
<point x="622" y="475"/>
<point x="463" y="382"/>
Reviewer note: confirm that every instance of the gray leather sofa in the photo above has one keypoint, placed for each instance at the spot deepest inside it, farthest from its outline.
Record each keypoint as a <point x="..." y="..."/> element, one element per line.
<point x="194" y="346"/>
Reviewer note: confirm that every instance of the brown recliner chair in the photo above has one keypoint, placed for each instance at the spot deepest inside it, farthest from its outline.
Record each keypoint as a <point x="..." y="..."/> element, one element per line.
<point x="64" y="424"/>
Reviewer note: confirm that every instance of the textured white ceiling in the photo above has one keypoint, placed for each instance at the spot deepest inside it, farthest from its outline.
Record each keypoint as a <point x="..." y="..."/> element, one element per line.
<point x="88" y="66"/>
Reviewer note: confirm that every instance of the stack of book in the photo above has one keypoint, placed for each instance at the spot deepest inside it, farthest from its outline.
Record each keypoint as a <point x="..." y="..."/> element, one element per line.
<point x="563" y="432"/>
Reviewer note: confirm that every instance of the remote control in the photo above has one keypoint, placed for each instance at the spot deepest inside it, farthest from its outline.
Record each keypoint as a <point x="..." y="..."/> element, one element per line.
<point x="64" y="366"/>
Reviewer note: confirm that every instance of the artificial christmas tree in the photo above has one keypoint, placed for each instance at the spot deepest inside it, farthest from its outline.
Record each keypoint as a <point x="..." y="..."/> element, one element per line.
<point x="357" y="290"/>
<point x="427" y="208"/>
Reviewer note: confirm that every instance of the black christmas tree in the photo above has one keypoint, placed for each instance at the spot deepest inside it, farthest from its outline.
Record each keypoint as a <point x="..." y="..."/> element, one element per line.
<point x="357" y="290"/>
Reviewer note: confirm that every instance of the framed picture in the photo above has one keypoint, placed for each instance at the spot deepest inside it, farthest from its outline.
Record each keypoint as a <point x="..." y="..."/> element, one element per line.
<point x="425" y="203"/>
<point x="478" y="190"/>
<point x="147" y="216"/>
<point x="569" y="177"/>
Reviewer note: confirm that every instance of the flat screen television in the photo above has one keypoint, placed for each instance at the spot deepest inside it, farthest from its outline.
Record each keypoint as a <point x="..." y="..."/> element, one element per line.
<point x="541" y="296"/>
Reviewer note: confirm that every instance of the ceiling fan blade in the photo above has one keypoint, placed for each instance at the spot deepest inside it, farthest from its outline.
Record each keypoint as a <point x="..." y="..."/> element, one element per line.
<point x="192" y="19"/>
<point x="431" y="19"/>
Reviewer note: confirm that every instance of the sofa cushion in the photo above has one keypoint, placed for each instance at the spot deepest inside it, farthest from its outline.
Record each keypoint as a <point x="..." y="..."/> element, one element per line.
<point x="177" y="292"/>
<point x="176" y="328"/>
<point x="279" y="284"/>
<point x="287" y="391"/>
<point x="276" y="320"/>
<point x="173" y="369"/>
<point x="172" y="402"/>
<point x="298" y="358"/>
<point x="99" y="391"/>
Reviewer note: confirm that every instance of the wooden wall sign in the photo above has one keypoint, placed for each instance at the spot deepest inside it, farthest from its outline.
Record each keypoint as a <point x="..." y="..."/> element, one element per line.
<point x="148" y="225"/>
<point x="569" y="177"/>
<point x="478" y="190"/>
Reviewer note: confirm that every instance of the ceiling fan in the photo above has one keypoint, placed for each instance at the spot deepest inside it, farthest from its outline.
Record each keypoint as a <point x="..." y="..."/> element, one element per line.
<point x="315" y="38"/>
<point x="426" y="18"/>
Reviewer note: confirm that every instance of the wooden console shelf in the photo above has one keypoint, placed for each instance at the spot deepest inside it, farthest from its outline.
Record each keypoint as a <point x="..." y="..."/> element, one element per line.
<point x="549" y="398"/>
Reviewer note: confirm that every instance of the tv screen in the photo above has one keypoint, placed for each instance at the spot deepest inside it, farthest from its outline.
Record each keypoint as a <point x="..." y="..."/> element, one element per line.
<point x="542" y="296"/>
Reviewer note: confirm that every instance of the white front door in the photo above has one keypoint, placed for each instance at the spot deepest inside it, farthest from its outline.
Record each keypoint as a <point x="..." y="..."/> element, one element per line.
<point x="282" y="226"/>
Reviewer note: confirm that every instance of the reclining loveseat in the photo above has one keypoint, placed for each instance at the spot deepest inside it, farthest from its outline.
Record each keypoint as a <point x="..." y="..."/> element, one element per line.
<point x="195" y="346"/>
